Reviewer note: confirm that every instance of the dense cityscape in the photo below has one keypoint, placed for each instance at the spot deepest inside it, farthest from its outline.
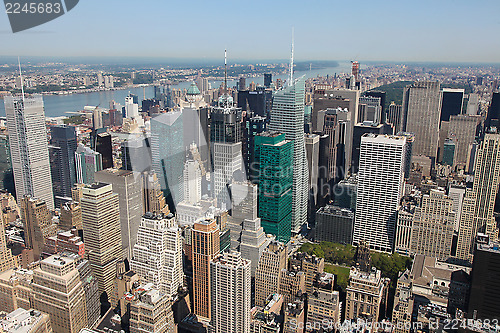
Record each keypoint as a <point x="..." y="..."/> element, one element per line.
<point x="192" y="167"/>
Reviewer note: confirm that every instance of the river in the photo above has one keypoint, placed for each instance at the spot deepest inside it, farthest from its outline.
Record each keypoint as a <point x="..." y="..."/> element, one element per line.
<point x="63" y="105"/>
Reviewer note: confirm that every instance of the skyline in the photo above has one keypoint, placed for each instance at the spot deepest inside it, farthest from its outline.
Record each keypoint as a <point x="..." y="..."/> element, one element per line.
<point x="258" y="32"/>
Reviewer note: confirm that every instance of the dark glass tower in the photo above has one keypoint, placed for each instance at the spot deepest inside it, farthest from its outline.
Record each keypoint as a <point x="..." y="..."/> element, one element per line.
<point x="64" y="142"/>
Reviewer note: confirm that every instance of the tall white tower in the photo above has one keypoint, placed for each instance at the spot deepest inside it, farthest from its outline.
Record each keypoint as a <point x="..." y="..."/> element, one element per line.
<point x="157" y="255"/>
<point x="28" y="147"/>
<point x="380" y="188"/>
<point x="230" y="282"/>
<point x="287" y="117"/>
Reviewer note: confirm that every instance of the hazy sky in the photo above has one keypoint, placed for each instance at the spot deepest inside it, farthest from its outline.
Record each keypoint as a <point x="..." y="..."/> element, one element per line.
<point x="417" y="30"/>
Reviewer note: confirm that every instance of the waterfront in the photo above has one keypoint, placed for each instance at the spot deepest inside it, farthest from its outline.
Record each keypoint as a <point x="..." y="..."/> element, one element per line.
<point x="64" y="105"/>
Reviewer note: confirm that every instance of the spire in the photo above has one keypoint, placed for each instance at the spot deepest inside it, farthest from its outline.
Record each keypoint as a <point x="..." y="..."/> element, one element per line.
<point x="291" y="61"/>
<point x="225" y="71"/>
<point x="21" y="78"/>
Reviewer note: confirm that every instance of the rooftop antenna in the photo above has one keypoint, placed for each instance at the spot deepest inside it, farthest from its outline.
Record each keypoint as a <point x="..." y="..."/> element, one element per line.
<point x="21" y="77"/>
<point x="291" y="60"/>
<point x="225" y="71"/>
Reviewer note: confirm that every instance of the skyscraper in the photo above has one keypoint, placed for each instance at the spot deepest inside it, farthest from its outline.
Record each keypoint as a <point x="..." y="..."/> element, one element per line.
<point x="493" y="116"/>
<point x="274" y="155"/>
<point x="479" y="204"/>
<point x="485" y="285"/>
<point x="104" y="146"/>
<point x="226" y="136"/>
<point x="267" y="275"/>
<point x="452" y="103"/>
<point x="63" y="169"/>
<point x="37" y="224"/>
<point x="157" y="255"/>
<point x="433" y="226"/>
<point x="247" y="234"/>
<point x="7" y="260"/>
<point x="287" y="117"/>
<point x="463" y="129"/>
<point x="168" y="154"/>
<point x="101" y="232"/>
<point x="87" y="163"/>
<point x="380" y="188"/>
<point x="421" y="116"/>
<point x="28" y="147"/>
<point x="127" y="184"/>
<point x="205" y="242"/>
<point x="150" y="311"/>
<point x="59" y="292"/>
<point x="230" y="287"/>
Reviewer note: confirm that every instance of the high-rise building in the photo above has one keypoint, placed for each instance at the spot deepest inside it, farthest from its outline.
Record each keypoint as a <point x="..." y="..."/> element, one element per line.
<point x="101" y="232"/>
<point x="287" y="117"/>
<point x="393" y="117"/>
<point x="255" y="126"/>
<point x="312" y="154"/>
<point x="247" y="234"/>
<point x="192" y="182"/>
<point x="7" y="260"/>
<point x="70" y="216"/>
<point x="311" y="265"/>
<point x="63" y="170"/>
<point x="421" y="116"/>
<point x="230" y="288"/>
<point x="382" y="95"/>
<point x="151" y="311"/>
<point x="361" y="129"/>
<point x="274" y="155"/>
<point x="334" y="224"/>
<point x="28" y="147"/>
<point x="267" y="275"/>
<point x="449" y="152"/>
<point x="131" y="108"/>
<point x="168" y="154"/>
<point x="370" y="109"/>
<point x="463" y="129"/>
<point x="104" y="146"/>
<point x="451" y="103"/>
<point x="433" y="226"/>
<point x="493" y="116"/>
<point x="127" y="184"/>
<point x="479" y="204"/>
<point x="38" y="224"/>
<point x="292" y="284"/>
<point x="87" y="163"/>
<point x="226" y="136"/>
<point x="258" y="101"/>
<point x="15" y="289"/>
<point x="485" y="285"/>
<point x="380" y="188"/>
<point x="59" y="292"/>
<point x="366" y="293"/>
<point x="206" y="244"/>
<point x="136" y="154"/>
<point x="268" y="79"/>
<point x="153" y="199"/>
<point x="403" y="304"/>
<point x="324" y="306"/>
<point x="157" y="255"/>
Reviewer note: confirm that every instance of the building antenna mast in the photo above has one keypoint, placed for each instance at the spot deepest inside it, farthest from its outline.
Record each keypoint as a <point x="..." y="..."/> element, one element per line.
<point x="291" y="60"/>
<point x="225" y="71"/>
<point x="21" y="77"/>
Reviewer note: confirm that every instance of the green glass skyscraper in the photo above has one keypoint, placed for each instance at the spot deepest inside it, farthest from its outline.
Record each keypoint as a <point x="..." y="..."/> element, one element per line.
<point x="274" y="155"/>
